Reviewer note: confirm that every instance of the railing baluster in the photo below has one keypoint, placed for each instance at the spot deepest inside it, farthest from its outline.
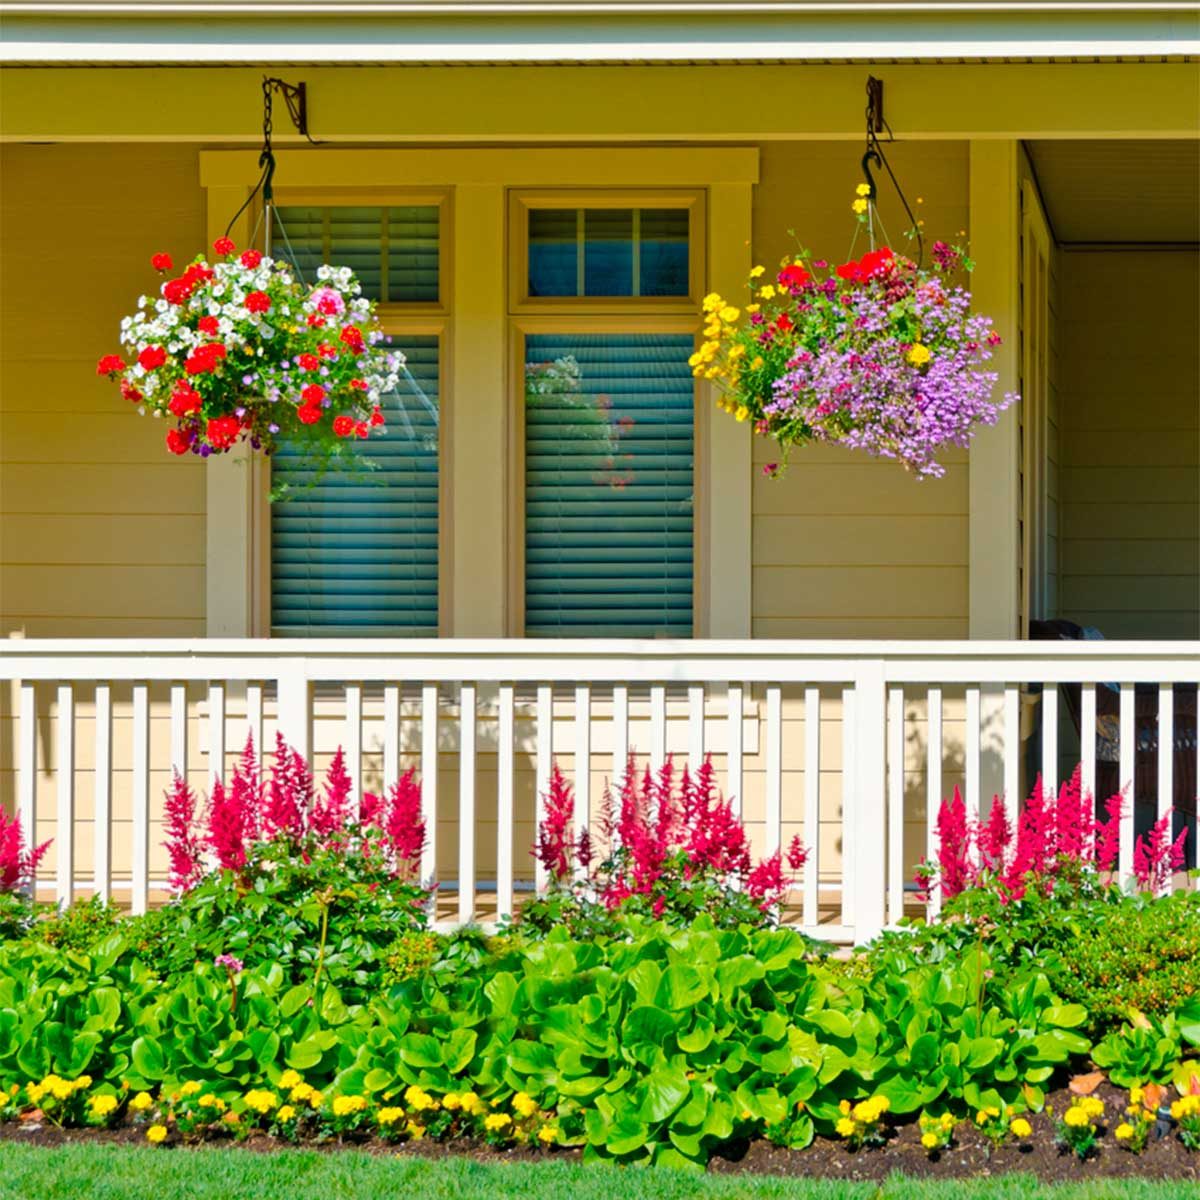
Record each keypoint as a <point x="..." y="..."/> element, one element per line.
<point x="504" y="804"/>
<point x="254" y="715"/>
<point x="140" y="871"/>
<point x="429" y="778"/>
<point x="733" y="758"/>
<point x="102" y="803"/>
<point x="1087" y="739"/>
<point x="544" y="762"/>
<point x="466" y="805"/>
<point x="391" y="735"/>
<point x="1012" y="756"/>
<point x="1127" y="770"/>
<point x="216" y="732"/>
<point x="695" y="728"/>
<point x="812" y="804"/>
<point x="848" y="808"/>
<point x="64" y="843"/>
<point x="1166" y="750"/>
<point x="27" y="740"/>
<point x="620" y="761"/>
<point x="658" y="727"/>
<point x="179" y="731"/>
<point x="971" y="749"/>
<point x="583" y="761"/>
<point x="933" y="788"/>
<point x="774" y="768"/>
<point x="353" y="745"/>
<point x="895" y="801"/>
<point x="868" y="880"/>
<point x="1050" y="738"/>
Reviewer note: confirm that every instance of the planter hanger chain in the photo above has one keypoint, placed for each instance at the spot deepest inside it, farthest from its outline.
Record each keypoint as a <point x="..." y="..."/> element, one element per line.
<point x="877" y="124"/>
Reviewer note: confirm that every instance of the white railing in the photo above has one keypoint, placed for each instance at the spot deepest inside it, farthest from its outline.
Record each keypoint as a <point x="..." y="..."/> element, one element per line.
<point x="850" y="744"/>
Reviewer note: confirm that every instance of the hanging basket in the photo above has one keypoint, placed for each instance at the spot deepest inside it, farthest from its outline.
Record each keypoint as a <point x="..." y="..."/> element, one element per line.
<point x="876" y="354"/>
<point x="240" y="350"/>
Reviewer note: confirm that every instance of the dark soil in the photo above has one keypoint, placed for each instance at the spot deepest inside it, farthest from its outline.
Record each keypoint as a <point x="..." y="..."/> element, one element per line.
<point x="969" y="1156"/>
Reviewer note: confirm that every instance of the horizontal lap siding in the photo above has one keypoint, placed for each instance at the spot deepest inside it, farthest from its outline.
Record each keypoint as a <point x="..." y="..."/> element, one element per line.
<point x="1130" y="414"/>
<point x="845" y="545"/>
<point x="102" y="533"/>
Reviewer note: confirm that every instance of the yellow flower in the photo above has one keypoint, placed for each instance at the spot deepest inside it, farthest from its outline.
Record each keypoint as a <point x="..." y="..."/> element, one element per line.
<point x="859" y="206"/>
<point x="497" y="1121"/>
<point x="694" y="359"/>
<point x="418" y="1099"/>
<point x="290" y="1079"/>
<point x="548" y="1134"/>
<point x="863" y="189"/>
<point x="1135" y="1095"/>
<point x="742" y="412"/>
<point x="61" y="1089"/>
<point x="729" y="314"/>
<point x="1021" y="1127"/>
<point x="756" y="272"/>
<point x="919" y="355"/>
<point x="1186" y="1106"/>
<point x="301" y="1092"/>
<point x="286" y="1113"/>
<point x="390" y="1116"/>
<point x="414" y="1131"/>
<point x="190" y="1088"/>
<point x="471" y="1103"/>
<point x="753" y="308"/>
<point x="214" y="1102"/>
<point x="712" y="302"/>
<point x="156" y="1134"/>
<point x="34" y="1091"/>
<point x="523" y="1105"/>
<point x="82" y="1083"/>
<point x="451" y="1101"/>
<point x="101" y="1106"/>
<point x="844" y="1108"/>
<point x="846" y="1127"/>
<point x="261" y="1100"/>
<point x="758" y="362"/>
<point x="736" y="352"/>
<point x="1123" y="1132"/>
<point x="141" y="1102"/>
<point x="1092" y="1105"/>
<point x="1075" y="1117"/>
<point x="929" y="1140"/>
<point x="767" y="291"/>
<point x="344" y="1106"/>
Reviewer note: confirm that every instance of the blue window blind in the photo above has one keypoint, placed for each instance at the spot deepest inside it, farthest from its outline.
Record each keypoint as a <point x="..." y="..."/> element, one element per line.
<point x="393" y="251"/>
<point x="608" y="485"/>
<point x="357" y="554"/>
<point x="608" y="252"/>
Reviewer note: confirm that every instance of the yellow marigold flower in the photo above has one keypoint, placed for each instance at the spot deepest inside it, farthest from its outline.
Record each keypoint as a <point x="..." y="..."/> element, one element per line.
<point x="756" y="272"/>
<point x="1135" y="1095"/>
<point x="844" y="1108"/>
<point x="758" y="362"/>
<point x="156" y="1134"/>
<point x="390" y="1116"/>
<point x="948" y="1121"/>
<point x="1123" y="1132"/>
<point x="82" y="1083"/>
<point x="1186" y="1106"/>
<point x="471" y="1103"/>
<point x="1021" y="1128"/>
<point x="261" y="1100"/>
<point x="524" y="1105"/>
<point x="301" y="1092"/>
<point x="344" y="1106"/>
<point x="729" y="314"/>
<point x="1092" y="1105"/>
<point x="712" y="302"/>
<point x="859" y="206"/>
<point x="981" y="1117"/>
<point x="548" y="1134"/>
<point x="767" y="291"/>
<point x="419" y="1099"/>
<point x="919" y="355"/>
<point x="742" y="412"/>
<point x="452" y="1101"/>
<point x="1075" y="1117"/>
<point x="929" y="1140"/>
<point x="214" y="1102"/>
<point x="286" y="1113"/>
<point x="414" y="1131"/>
<point x="141" y="1102"/>
<point x="101" y="1106"/>
<point x="290" y="1079"/>
<point x="35" y="1092"/>
<point x="863" y="189"/>
<point x="497" y="1121"/>
<point x="190" y="1088"/>
<point x="846" y="1127"/>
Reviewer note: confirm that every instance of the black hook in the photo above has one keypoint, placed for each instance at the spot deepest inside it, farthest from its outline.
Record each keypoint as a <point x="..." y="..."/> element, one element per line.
<point x="872" y="155"/>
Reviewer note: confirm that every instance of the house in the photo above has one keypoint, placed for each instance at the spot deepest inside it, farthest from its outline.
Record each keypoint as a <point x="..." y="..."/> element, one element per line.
<point x="534" y="183"/>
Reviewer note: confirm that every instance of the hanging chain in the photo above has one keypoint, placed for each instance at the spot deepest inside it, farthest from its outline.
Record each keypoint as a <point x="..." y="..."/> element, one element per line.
<point x="876" y="124"/>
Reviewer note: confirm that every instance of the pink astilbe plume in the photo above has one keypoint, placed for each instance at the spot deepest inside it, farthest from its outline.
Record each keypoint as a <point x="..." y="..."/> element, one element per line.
<point x="18" y="867"/>
<point x="994" y="837"/>
<point x="289" y="794"/>
<point x="1156" y="858"/>
<point x="184" y="852"/>
<point x="331" y="810"/>
<point x="555" y="848"/>
<point x="766" y="882"/>
<point x="715" y="839"/>
<point x="226" y="837"/>
<point x="954" y="837"/>
<point x="1108" y="833"/>
<point x="403" y="826"/>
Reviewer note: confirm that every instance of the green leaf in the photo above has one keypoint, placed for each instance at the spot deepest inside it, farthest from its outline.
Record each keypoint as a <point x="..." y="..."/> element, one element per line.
<point x="459" y="1050"/>
<point x="294" y="999"/>
<point x="681" y="987"/>
<point x="420" y="1050"/>
<point x="665" y="1091"/>
<point x="834" y="1023"/>
<point x="626" y="1135"/>
<point x="148" y="1058"/>
<point x="698" y="1038"/>
<point x="1188" y="1018"/>
<point x="1065" y="1016"/>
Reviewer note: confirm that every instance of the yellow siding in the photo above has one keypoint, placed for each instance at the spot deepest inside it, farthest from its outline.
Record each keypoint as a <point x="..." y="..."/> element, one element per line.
<point x="1130" y="399"/>
<point x="100" y="533"/>
<point x="845" y="545"/>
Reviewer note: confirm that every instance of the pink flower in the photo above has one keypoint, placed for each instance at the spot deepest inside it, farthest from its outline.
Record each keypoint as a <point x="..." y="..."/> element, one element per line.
<point x="328" y="301"/>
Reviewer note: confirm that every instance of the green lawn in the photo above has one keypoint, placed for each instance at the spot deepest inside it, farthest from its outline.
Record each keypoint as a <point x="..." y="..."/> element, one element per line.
<point x="97" y="1172"/>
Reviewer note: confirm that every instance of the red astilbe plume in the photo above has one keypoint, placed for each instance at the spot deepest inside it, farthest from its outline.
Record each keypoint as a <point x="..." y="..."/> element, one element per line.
<point x="766" y="882"/>
<point x="251" y="786"/>
<point x="332" y="810"/>
<point x="715" y="838"/>
<point x="289" y="794"/>
<point x="226" y="837"/>
<point x="954" y="836"/>
<point x="994" y="837"/>
<point x="1108" y="833"/>
<point x="555" y="848"/>
<point x="797" y="853"/>
<point x="184" y="852"/>
<point x="18" y="867"/>
<point x="1156" y="858"/>
<point x="403" y="826"/>
<point x="1036" y="837"/>
<point x="1074" y="820"/>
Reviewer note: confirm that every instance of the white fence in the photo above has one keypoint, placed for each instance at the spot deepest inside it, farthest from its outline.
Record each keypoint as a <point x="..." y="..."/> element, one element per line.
<point x="850" y="744"/>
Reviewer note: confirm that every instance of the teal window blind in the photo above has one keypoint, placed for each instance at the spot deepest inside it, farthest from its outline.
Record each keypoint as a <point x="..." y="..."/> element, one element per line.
<point x="357" y="554"/>
<point x="608" y="252"/>
<point x="393" y="251"/>
<point x="609" y="447"/>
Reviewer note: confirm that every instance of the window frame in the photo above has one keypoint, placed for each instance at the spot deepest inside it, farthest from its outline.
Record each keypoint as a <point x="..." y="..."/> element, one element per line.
<point x="522" y="201"/>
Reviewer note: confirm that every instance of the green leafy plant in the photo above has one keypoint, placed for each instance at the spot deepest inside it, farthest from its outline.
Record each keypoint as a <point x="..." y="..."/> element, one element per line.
<point x="1078" y="1129"/>
<point x="1147" y="1049"/>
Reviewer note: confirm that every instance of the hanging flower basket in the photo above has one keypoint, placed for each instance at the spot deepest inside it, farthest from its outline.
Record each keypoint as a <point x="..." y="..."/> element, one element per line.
<point x="875" y="354"/>
<point x="242" y="351"/>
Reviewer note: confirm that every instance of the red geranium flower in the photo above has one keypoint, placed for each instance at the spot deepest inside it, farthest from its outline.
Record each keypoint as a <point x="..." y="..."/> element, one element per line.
<point x="794" y="276"/>
<point x="110" y="364"/>
<point x="178" y="442"/>
<point x="251" y="258"/>
<point x="161" y="262"/>
<point x="208" y="324"/>
<point x="325" y="350"/>
<point x="184" y="399"/>
<point x="130" y="392"/>
<point x="783" y="323"/>
<point x="177" y="291"/>
<point x="224" y="245"/>
<point x="312" y="394"/>
<point x="152" y="357"/>
<point x="222" y="432"/>
<point x="204" y="358"/>
<point x="308" y="415"/>
<point x="359" y="385"/>
<point x="197" y="273"/>
<point x="377" y="417"/>
<point x="353" y="337"/>
<point x="362" y="429"/>
<point x="308" y="362"/>
<point x="343" y="426"/>
<point x="257" y="302"/>
<point x="315" y="321"/>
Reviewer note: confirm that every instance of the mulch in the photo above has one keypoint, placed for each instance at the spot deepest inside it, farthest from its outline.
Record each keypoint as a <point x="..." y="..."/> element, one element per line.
<point x="969" y="1156"/>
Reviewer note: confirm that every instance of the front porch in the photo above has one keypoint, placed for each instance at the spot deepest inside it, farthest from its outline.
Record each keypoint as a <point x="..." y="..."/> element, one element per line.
<point x="850" y="745"/>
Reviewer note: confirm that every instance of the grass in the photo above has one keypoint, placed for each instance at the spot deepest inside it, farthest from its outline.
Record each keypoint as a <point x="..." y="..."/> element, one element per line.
<point x="106" y="1172"/>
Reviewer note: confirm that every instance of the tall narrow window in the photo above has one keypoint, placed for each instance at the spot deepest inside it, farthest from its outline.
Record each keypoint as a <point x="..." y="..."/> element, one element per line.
<point x="609" y="484"/>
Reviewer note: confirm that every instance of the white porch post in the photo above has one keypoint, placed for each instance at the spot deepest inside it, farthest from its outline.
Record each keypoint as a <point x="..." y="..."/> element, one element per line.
<point x="867" y="876"/>
<point x="993" y="488"/>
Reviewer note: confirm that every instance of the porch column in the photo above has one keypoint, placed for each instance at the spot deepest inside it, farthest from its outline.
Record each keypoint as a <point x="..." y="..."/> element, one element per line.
<point x="994" y="544"/>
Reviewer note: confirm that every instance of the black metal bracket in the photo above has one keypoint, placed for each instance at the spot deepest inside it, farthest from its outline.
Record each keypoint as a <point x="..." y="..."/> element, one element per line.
<point x="295" y="96"/>
<point x="875" y="121"/>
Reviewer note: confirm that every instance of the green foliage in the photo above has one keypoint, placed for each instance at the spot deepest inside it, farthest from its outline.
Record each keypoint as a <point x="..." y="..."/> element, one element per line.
<point x="82" y="926"/>
<point x="17" y="915"/>
<point x="410" y="955"/>
<point x="1146" y="1051"/>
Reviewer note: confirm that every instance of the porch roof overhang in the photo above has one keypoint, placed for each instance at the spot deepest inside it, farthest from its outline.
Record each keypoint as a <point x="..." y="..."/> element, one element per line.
<point x="489" y="32"/>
